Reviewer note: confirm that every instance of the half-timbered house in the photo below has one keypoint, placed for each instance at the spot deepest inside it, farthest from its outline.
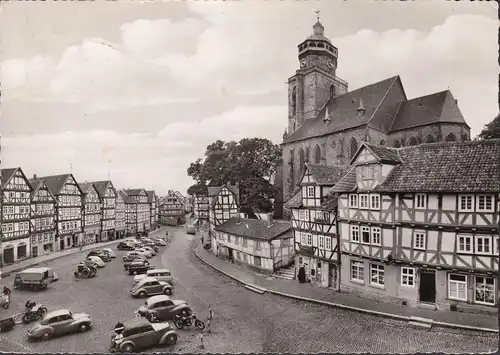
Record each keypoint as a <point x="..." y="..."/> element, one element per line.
<point x="224" y="204"/>
<point x="171" y="209"/>
<point x="143" y="208"/>
<point x="120" y="217"/>
<point x="201" y="208"/>
<point x="69" y="209"/>
<point x="266" y="245"/>
<point x="131" y="207"/>
<point x="92" y="213"/>
<point x="152" y="208"/>
<point x="314" y="225"/>
<point x="16" y="207"/>
<point x="419" y="224"/>
<point x="107" y="194"/>
<point x="43" y="219"/>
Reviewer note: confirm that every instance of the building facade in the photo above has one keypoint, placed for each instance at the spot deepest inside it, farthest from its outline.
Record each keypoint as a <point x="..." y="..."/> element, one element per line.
<point x="69" y="209"/>
<point x="120" y="217"/>
<point x="92" y="213"/>
<point x="143" y="208"/>
<point x="43" y="219"/>
<point x="420" y="224"/>
<point x="16" y="209"/>
<point x="171" y="209"/>
<point x="223" y="205"/>
<point x="327" y="123"/>
<point x="107" y="194"/>
<point x="152" y="199"/>
<point x="201" y="208"/>
<point x="314" y="214"/>
<point x="266" y="245"/>
<point x="130" y="213"/>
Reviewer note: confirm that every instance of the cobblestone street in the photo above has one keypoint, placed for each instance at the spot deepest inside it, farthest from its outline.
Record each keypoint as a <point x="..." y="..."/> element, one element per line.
<point x="244" y="321"/>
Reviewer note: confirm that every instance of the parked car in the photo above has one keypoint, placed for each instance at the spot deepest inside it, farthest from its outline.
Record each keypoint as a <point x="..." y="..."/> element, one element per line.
<point x="96" y="260"/>
<point x="147" y="253"/>
<point x="149" y="286"/>
<point x="163" y="308"/>
<point x="125" y="246"/>
<point x="190" y="230"/>
<point x="110" y="252"/>
<point x="140" y="334"/>
<point x="36" y="278"/>
<point x="159" y="242"/>
<point x="131" y="255"/>
<point x="140" y="258"/>
<point x="136" y="268"/>
<point x="159" y="274"/>
<point x="103" y="255"/>
<point x="60" y="322"/>
<point x="148" y="248"/>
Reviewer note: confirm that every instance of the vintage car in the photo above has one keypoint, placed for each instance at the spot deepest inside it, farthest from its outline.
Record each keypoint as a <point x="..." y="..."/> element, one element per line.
<point x="131" y="255"/>
<point x="96" y="260"/>
<point x="110" y="252"/>
<point x="148" y="248"/>
<point x="140" y="334"/>
<point x="125" y="246"/>
<point x="138" y="267"/>
<point x="142" y="259"/>
<point x="162" y="308"/>
<point x="100" y="253"/>
<point x="149" y="286"/>
<point x="159" y="274"/>
<point x="59" y="322"/>
<point x="159" y="242"/>
<point x="147" y="253"/>
<point x="190" y="230"/>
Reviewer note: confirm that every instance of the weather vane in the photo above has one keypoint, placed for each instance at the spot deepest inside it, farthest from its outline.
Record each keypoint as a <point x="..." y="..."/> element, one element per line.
<point x="317" y="13"/>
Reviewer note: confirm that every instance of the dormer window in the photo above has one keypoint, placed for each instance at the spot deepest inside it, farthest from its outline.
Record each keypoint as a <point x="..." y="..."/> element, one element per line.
<point x="367" y="172"/>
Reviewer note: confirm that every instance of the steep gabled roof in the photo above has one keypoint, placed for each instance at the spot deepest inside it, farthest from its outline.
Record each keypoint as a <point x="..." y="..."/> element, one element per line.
<point x="101" y="187"/>
<point x="448" y="167"/>
<point x="347" y="183"/>
<point x="424" y="110"/>
<point x="56" y="182"/>
<point x="386" y="155"/>
<point x="342" y="110"/>
<point x="295" y="201"/>
<point x="254" y="228"/>
<point x="151" y="196"/>
<point x="325" y="175"/>
<point x="85" y="186"/>
<point x="7" y="174"/>
<point x="36" y="184"/>
<point x="133" y="192"/>
<point x="330" y="202"/>
<point x="126" y="198"/>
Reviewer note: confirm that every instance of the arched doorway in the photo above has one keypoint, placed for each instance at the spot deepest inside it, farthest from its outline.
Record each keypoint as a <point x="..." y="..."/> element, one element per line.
<point x="8" y="254"/>
<point x="22" y="251"/>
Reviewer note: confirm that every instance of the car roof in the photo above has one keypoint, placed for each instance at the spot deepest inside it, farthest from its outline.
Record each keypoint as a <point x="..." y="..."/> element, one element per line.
<point x="158" y="270"/>
<point x="57" y="313"/>
<point x="148" y="279"/>
<point x="135" y="323"/>
<point x="158" y="298"/>
<point x="36" y="269"/>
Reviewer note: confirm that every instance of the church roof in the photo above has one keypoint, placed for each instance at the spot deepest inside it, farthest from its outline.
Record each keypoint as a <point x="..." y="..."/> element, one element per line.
<point x="386" y="109"/>
<point x="471" y="166"/>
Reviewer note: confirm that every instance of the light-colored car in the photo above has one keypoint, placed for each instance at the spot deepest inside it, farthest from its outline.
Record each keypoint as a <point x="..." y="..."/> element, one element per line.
<point x="190" y="230"/>
<point x="62" y="321"/>
<point x="133" y="254"/>
<point x="146" y="252"/>
<point x="149" y="286"/>
<point x="96" y="260"/>
<point x="149" y="249"/>
<point x="159" y="242"/>
<point x="159" y="274"/>
<point x="110" y="252"/>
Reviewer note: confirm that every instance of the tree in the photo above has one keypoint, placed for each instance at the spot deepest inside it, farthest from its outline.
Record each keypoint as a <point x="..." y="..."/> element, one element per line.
<point x="251" y="162"/>
<point x="491" y="130"/>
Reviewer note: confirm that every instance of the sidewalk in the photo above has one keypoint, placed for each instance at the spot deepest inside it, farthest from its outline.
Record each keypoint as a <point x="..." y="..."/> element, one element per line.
<point x="307" y="292"/>
<point x="30" y="262"/>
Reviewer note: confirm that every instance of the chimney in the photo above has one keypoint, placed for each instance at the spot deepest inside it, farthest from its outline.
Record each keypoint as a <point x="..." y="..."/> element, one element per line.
<point x="34" y="176"/>
<point x="269" y="219"/>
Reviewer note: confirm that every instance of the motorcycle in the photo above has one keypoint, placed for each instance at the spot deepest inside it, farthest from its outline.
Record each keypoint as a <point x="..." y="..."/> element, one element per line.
<point x="35" y="311"/>
<point x="182" y="321"/>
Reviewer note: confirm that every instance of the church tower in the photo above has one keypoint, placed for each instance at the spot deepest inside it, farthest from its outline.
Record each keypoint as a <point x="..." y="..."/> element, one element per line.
<point x="315" y="82"/>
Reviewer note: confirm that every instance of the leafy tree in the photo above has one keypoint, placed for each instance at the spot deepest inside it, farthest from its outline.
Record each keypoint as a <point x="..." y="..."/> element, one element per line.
<point x="251" y="162"/>
<point x="491" y="130"/>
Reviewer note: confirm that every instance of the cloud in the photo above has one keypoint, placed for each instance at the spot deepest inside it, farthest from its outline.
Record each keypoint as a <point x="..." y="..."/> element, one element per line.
<point x="138" y="159"/>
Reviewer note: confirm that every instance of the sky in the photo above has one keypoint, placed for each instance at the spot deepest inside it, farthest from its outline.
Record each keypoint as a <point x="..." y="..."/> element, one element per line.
<point x="135" y="91"/>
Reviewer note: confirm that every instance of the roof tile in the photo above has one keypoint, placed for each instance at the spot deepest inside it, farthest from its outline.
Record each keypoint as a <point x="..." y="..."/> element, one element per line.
<point x="255" y="228"/>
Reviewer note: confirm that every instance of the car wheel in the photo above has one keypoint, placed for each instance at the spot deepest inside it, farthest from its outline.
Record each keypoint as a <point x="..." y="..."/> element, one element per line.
<point x="142" y="294"/>
<point x="83" y="327"/>
<point x="128" y="348"/>
<point x="46" y="336"/>
<point x="168" y="291"/>
<point x="171" y="339"/>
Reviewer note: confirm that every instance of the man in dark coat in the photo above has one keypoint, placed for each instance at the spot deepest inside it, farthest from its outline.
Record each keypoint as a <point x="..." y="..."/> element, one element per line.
<point x="302" y="275"/>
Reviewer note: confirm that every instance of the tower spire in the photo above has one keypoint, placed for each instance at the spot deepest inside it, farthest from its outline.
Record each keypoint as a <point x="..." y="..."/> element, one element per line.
<point x="317" y="14"/>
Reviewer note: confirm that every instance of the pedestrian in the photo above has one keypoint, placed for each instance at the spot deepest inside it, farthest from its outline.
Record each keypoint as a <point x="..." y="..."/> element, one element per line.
<point x="302" y="275"/>
<point x="201" y="240"/>
<point x="209" y="319"/>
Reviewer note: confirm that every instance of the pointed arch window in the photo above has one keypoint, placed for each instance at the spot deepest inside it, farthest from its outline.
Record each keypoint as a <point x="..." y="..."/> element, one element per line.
<point x="332" y="91"/>
<point x="397" y="144"/>
<point x="353" y="147"/>
<point x="429" y="139"/>
<point x="307" y="155"/>
<point x="292" y="172"/>
<point x="412" y="141"/>
<point x="382" y="143"/>
<point x="294" y="101"/>
<point x="317" y="154"/>
<point x="451" y="138"/>
<point x="301" y="161"/>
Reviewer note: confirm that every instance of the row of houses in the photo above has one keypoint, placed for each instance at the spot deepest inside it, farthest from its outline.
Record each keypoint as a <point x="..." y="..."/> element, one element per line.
<point x="173" y="208"/>
<point x="417" y="225"/>
<point x="52" y="213"/>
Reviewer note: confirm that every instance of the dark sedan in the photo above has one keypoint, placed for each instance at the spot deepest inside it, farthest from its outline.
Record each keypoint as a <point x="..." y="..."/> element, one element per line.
<point x="162" y="308"/>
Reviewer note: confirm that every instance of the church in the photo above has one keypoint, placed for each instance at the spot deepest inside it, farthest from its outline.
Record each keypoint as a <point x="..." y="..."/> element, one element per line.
<point x="327" y="122"/>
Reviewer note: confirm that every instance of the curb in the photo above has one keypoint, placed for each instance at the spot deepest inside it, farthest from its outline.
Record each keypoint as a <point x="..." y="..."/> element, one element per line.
<point x="345" y="307"/>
